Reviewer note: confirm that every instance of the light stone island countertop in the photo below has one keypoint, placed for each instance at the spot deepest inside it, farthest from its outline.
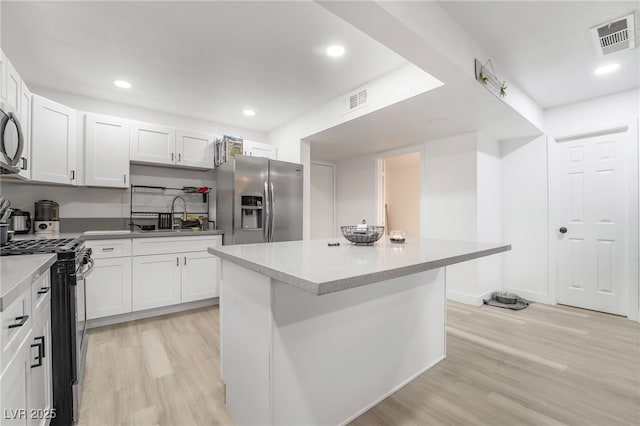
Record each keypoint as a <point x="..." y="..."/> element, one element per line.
<point x="18" y="272"/>
<point x="315" y="267"/>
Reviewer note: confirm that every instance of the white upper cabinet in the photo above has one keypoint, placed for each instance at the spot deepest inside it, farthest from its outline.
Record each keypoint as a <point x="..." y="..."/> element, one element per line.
<point x="153" y="144"/>
<point x="194" y="149"/>
<point x="106" y="151"/>
<point x="25" y="124"/>
<point x="257" y="149"/>
<point x="13" y="81"/>
<point x="53" y="142"/>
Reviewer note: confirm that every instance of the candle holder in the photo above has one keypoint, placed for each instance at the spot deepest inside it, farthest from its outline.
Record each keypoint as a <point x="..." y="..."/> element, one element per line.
<point x="397" y="237"/>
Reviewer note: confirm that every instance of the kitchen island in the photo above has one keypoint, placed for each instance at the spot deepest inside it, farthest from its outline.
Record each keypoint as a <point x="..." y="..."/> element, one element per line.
<point x="316" y="335"/>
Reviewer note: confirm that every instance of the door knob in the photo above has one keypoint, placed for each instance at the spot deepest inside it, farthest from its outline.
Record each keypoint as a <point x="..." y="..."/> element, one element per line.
<point x="563" y="230"/>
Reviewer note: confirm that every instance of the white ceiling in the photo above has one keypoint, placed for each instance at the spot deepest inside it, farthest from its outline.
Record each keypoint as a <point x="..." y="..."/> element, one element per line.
<point x="546" y="46"/>
<point x="208" y="60"/>
<point x="468" y="108"/>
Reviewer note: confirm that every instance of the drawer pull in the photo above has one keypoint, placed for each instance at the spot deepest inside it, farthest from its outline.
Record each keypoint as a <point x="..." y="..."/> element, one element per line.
<point x="23" y="319"/>
<point x="44" y="290"/>
<point x="108" y="249"/>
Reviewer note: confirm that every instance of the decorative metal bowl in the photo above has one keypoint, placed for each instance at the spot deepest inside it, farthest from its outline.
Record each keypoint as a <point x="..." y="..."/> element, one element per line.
<point x="362" y="235"/>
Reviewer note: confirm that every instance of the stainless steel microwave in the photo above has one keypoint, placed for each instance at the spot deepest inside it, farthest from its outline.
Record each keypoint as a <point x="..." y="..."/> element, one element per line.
<point x="11" y="143"/>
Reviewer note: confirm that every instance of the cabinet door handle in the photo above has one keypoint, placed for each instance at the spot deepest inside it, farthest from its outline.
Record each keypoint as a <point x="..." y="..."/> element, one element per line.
<point x="108" y="248"/>
<point x="172" y="155"/>
<point x="44" y="290"/>
<point x="22" y="321"/>
<point x="177" y="261"/>
<point x="125" y="178"/>
<point x="185" y="260"/>
<point x="24" y="163"/>
<point x="44" y="351"/>
<point x="179" y="157"/>
<point x="40" y="355"/>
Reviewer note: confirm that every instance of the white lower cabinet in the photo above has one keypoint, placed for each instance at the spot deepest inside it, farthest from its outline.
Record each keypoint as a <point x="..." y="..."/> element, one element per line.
<point x="109" y="288"/>
<point x="199" y="276"/>
<point x="41" y="386"/>
<point x="132" y="275"/>
<point x="156" y="281"/>
<point x="26" y="387"/>
<point x="15" y="385"/>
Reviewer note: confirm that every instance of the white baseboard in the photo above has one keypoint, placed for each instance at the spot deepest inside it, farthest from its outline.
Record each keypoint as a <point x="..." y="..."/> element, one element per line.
<point x="468" y="298"/>
<point x="148" y="313"/>
<point x="533" y="296"/>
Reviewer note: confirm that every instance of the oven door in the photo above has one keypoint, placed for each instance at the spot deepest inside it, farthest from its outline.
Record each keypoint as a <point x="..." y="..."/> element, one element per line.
<point x="11" y="143"/>
<point x="84" y="266"/>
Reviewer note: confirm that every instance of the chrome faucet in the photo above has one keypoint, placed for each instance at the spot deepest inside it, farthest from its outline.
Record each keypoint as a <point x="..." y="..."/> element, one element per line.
<point x="173" y="208"/>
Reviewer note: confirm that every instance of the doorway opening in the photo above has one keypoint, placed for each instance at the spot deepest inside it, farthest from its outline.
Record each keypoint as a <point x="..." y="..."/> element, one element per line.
<point x="400" y="186"/>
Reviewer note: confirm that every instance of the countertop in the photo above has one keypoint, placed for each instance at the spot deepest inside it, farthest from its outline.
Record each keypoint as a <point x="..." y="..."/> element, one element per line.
<point x="18" y="272"/>
<point x="314" y="267"/>
<point x="118" y="234"/>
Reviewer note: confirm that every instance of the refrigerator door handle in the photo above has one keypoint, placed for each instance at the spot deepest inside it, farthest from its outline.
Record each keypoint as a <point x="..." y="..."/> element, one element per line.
<point x="273" y="214"/>
<point x="267" y="219"/>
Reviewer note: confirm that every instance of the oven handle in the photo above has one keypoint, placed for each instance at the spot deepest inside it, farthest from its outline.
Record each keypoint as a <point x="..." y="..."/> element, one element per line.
<point x="84" y="274"/>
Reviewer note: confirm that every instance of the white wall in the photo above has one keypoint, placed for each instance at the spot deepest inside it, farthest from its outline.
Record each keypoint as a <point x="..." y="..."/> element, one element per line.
<point x="100" y="106"/>
<point x="77" y="202"/>
<point x="356" y="191"/>
<point x="489" y="214"/>
<point x="592" y="115"/>
<point x="450" y="182"/>
<point x="529" y="269"/>
<point x="393" y="87"/>
<point x="524" y="217"/>
<point x="461" y="199"/>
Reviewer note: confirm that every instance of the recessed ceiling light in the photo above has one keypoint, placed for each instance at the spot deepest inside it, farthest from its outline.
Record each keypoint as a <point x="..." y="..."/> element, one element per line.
<point x="249" y="112"/>
<point x="335" y="51"/>
<point x="605" y="69"/>
<point x="122" y="84"/>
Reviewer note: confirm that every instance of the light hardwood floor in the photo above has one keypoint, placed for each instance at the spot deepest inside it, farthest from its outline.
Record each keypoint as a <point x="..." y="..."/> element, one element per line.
<point x="542" y="365"/>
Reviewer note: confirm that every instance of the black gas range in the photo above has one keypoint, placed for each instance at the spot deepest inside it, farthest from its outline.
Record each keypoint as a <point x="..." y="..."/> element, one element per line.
<point x="40" y="246"/>
<point x="68" y="317"/>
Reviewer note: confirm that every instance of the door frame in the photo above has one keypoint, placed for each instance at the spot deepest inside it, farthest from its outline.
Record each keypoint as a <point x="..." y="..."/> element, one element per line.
<point x="631" y="128"/>
<point x="335" y="188"/>
<point x="379" y="183"/>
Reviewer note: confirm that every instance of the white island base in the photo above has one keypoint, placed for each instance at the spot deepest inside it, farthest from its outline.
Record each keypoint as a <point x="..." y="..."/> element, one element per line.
<point x="290" y="357"/>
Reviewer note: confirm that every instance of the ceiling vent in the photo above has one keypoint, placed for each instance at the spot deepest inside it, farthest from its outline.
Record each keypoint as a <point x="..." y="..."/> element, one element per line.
<point x="615" y="36"/>
<point x="357" y="99"/>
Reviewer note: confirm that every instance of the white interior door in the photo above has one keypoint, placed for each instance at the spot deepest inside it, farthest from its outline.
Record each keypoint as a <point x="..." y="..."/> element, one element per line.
<point x="322" y="201"/>
<point x="593" y="227"/>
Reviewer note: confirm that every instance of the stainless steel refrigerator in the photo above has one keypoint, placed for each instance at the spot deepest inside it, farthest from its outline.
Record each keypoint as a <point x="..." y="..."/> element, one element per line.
<point x="259" y="200"/>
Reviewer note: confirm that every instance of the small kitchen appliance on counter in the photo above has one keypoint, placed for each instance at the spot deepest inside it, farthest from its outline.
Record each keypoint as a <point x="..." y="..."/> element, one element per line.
<point x="46" y="218"/>
<point x="20" y="221"/>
